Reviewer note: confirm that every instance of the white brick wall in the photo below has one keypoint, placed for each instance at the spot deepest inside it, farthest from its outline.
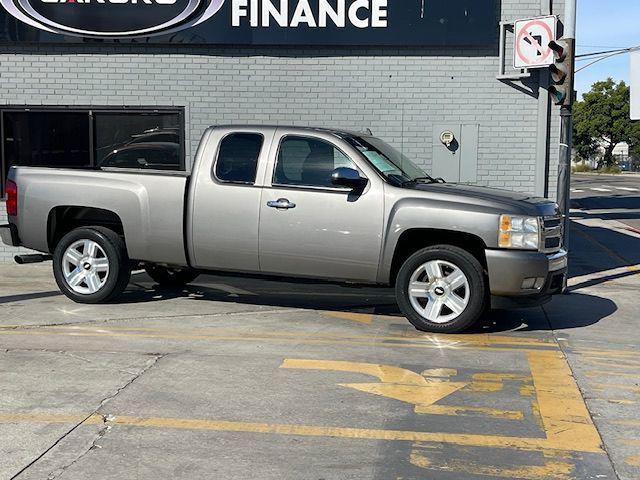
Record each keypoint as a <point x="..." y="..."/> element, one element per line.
<point x="398" y="93"/>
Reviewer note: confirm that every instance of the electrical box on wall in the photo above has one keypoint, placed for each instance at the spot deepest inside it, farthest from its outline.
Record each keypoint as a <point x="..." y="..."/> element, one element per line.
<point x="455" y="152"/>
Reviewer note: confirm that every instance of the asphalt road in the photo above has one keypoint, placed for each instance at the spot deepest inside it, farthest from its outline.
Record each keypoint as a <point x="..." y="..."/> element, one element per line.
<point x="233" y="378"/>
<point x="613" y="197"/>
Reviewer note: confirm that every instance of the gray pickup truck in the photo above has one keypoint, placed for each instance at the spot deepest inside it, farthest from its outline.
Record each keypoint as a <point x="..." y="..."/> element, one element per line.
<point x="305" y="202"/>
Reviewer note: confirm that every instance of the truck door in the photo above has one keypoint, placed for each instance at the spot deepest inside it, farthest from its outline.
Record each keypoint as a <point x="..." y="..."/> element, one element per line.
<point x="308" y="227"/>
<point x="225" y="203"/>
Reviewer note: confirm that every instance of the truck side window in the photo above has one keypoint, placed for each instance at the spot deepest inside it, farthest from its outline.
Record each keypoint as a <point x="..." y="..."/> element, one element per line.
<point x="238" y="158"/>
<point x="308" y="162"/>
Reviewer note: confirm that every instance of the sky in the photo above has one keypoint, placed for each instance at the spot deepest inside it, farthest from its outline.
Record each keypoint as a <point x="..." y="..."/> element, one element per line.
<point x="603" y="25"/>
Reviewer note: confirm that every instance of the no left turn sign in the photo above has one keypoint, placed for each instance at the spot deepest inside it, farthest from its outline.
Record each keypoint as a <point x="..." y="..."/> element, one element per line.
<point x="532" y="37"/>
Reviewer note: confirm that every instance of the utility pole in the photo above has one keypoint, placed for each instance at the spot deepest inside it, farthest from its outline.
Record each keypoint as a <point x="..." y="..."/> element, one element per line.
<point x="566" y="116"/>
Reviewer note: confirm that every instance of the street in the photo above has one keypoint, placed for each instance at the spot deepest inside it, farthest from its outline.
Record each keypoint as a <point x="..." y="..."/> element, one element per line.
<point x="245" y="378"/>
<point x="617" y="197"/>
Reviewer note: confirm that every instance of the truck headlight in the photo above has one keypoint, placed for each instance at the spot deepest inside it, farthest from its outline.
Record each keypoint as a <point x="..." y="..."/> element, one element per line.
<point x="519" y="232"/>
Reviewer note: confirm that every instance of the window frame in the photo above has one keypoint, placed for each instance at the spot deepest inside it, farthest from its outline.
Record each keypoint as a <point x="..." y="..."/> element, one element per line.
<point x="214" y="165"/>
<point x="310" y="187"/>
<point x="90" y="110"/>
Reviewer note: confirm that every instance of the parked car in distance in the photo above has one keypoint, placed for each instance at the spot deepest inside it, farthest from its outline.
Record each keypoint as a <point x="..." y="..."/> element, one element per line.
<point x="153" y="156"/>
<point x="305" y="202"/>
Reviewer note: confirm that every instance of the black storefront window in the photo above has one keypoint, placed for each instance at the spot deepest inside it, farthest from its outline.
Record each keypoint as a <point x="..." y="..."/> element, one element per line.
<point x="138" y="140"/>
<point x="142" y="138"/>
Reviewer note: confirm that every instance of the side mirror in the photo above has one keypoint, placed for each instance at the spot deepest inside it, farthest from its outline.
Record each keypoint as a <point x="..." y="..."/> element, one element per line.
<point x="348" y="177"/>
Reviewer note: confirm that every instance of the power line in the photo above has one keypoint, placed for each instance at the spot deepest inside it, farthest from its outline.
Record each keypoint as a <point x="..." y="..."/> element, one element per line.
<point x="606" y="52"/>
<point x="601" y="46"/>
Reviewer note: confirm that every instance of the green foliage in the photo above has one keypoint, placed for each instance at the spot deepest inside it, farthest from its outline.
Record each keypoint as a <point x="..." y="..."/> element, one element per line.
<point x="610" y="169"/>
<point x="602" y="119"/>
<point x="581" y="168"/>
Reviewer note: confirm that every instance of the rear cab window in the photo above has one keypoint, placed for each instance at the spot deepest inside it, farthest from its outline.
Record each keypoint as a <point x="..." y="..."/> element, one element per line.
<point x="237" y="160"/>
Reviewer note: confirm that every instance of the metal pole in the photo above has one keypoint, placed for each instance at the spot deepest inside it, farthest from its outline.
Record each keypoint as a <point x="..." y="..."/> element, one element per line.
<point x="566" y="126"/>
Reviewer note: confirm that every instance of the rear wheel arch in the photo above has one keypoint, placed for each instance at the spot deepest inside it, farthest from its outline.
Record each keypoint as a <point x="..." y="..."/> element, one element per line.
<point x="64" y="219"/>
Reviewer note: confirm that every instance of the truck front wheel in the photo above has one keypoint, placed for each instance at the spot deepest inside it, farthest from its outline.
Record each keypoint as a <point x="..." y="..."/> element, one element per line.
<point x="441" y="289"/>
<point x="91" y="265"/>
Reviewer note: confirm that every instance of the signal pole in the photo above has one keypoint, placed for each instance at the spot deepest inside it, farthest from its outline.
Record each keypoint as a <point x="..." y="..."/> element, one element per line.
<point x="566" y="118"/>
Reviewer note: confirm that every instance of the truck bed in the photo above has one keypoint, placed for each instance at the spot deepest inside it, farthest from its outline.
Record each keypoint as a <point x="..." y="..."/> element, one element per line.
<point x="150" y="205"/>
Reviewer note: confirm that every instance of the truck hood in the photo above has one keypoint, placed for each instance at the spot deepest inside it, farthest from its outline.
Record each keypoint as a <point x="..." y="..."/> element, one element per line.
<point x="503" y="200"/>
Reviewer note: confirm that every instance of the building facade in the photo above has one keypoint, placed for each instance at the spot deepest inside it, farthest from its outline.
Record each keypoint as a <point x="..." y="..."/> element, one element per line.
<point x="507" y="129"/>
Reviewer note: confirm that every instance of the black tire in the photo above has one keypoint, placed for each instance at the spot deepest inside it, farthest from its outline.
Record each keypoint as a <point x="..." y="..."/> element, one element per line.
<point x="115" y="251"/>
<point x="471" y="268"/>
<point x="171" y="277"/>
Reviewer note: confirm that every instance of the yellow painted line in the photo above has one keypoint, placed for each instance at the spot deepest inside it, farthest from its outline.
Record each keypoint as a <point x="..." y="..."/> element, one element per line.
<point x="533" y="444"/>
<point x="551" y="469"/>
<point x="564" y="414"/>
<point x="463" y="411"/>
<point x="500" y="377"/>
<point x="440" y="372"/>
<point x="412" y="336"/>
<point x="364" y="318"/>
<point x="246" y="337"/>
<point x="633" y="460"/>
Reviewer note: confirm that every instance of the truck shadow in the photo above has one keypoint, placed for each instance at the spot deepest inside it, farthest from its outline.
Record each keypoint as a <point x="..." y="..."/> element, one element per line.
<point x="563" y="312"/>
<point x="267" y="291"/>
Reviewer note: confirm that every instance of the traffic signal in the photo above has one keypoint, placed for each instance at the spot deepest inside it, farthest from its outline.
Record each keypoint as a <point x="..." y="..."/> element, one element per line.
<point x="561" y="88"/>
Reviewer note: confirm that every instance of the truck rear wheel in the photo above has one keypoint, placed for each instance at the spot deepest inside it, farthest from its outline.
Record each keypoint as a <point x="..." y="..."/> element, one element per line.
<point x="441" y="289"/>
<point x="171" y="277"/>
<point x="91" y="265"/>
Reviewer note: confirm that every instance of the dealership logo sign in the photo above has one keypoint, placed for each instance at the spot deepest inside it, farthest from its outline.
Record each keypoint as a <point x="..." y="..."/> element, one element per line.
<point x="112" y="18"/>
<point x="144" y="18"/>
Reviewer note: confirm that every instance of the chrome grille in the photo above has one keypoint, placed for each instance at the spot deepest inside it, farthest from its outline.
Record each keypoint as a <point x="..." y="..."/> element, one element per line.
<point x="551" y="235"/>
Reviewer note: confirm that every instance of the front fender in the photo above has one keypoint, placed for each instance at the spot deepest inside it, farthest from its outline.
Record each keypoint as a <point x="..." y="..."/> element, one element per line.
<point x="417" y="213"/>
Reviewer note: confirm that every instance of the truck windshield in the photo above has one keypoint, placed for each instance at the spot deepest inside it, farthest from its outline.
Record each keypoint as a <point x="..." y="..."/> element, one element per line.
<point x="391" y="163"/>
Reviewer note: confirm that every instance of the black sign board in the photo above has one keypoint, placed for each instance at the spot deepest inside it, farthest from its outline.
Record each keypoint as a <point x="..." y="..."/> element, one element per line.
<point x="254" y="22"/>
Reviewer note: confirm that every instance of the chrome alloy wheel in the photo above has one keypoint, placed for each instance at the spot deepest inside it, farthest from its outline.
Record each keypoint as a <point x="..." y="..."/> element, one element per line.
<point x="439" y="291"/>
<point x="85" y="267"/>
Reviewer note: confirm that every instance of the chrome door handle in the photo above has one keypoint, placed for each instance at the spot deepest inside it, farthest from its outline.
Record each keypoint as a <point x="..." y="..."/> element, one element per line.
<point x="281" y="204"/>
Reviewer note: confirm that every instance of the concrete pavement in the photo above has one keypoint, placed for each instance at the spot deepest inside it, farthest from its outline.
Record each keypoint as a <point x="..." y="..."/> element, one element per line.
<point x="243" y="378"/>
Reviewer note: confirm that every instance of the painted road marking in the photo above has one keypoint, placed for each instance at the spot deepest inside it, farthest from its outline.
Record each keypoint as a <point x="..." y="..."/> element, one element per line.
<point x="364" y="318"/>
<point x="397" y="383"/>
<point x="628" y="189"/>
<point x="564" y="416"/>
<point x="563" y="413"/>
<point x="418" y="340"/>
<point x="597" y="189"/>
<point x="576" y="190"/>
<point x="429" y="459"/>
<point x="406" y="386"/>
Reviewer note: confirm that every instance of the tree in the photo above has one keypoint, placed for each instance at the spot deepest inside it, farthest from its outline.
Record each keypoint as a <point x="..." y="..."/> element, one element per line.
<point x="601" y="119"/>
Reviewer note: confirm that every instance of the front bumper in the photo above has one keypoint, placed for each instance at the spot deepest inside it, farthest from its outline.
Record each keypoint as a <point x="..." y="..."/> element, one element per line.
<point x="9" y="235"/>
<point x="509" y="269"/>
